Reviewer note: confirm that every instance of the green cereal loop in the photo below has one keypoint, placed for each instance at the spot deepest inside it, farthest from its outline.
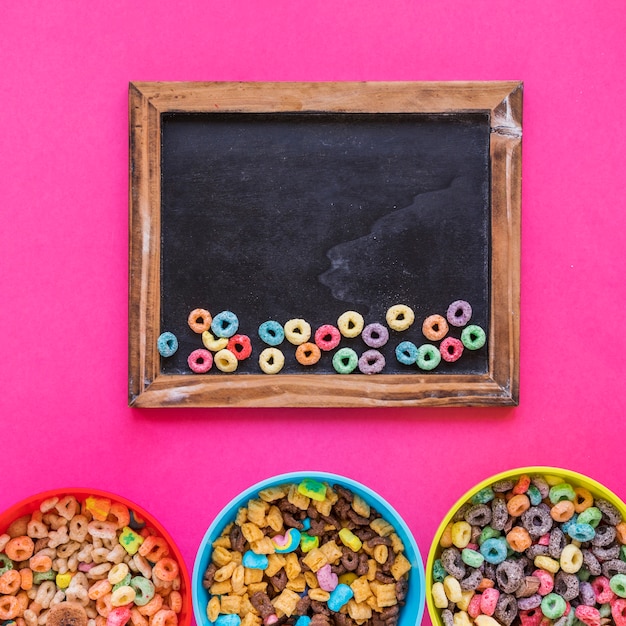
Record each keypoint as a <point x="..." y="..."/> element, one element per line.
<point x="483" y="496"/>
<point x="428" y="357"/>
<point x="605" y="610"/>
<point x="473" y="337"/>
<point x="488" y="533"/>
<point x="562" y="491"/>
<point x="439" y="572"/>
<point x="345" y="360"/>
<point x="5" y="564"/>
<point x="39" y="577"/>
<point x="591" y="516"/>
<point x="583" y="574"/>
<point x="123" y="583"/>
<point x="617" y="583"/>
<point x="472" y="557"/>
<point x="622" y="553"/>
<point x="553" y="606"/>
<point x="144" y="590"/>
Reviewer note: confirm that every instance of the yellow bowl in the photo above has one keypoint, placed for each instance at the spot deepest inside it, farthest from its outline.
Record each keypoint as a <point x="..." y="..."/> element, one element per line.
<point x="552" y="474"/>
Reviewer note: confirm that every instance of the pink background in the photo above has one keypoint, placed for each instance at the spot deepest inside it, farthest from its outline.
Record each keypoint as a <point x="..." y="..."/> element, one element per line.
<point x="64" y="243"/>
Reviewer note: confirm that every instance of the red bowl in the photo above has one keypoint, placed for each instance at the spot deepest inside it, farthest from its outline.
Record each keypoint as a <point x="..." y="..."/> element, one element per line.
<point x="32" y="503"/>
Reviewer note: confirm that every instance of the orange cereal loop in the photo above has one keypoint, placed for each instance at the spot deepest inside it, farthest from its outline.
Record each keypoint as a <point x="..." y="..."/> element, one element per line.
<point x="40" y="563"/>
<point x="518" y="504"/>
<point x="446" y="537"/>
<point x="164" y="617"/>
<point x="154" y="548"/>
<point x="435" y="327"/>
<point x="26" y="576"/>
<point x="151" y="607"/>
<point x="119" y="514"/>
<point x="23" y="601"/>
<point x="199" y="320"/>
<point x="308" y="353"/>
<point x="522" y="484"/>
<point x="99" y="589"/>
<point x="582" y="499"/>
<point x="485" y="583"/>
<point x="562" y="511"/>
<point x="10" y="582"/>
<point x="136" y="618"/>
<point x="519" y="539"/>
<point x="621" y="532"/>
<point x="103" y="605"/>
<point x="175" y="601"/>
<point x="20" y="548"/>
<point x="165" y="569"/>
<point x="9" y="607"/>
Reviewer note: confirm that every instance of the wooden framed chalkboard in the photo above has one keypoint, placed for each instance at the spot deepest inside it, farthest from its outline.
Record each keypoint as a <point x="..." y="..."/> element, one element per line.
<point x="297" y="203"/>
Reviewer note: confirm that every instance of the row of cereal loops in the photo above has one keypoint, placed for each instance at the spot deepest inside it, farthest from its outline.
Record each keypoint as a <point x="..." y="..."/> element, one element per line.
<point x="224" y="347"/>
<point x="89" y="563"/>
<point x="535" y="551"/>
<point x="308" y="554"/>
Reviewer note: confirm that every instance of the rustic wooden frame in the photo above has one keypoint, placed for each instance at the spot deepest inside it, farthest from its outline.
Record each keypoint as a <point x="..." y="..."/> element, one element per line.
<point x="148" y="387"/>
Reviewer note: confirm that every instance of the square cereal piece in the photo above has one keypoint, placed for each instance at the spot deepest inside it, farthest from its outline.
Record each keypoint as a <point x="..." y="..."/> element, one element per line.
<point x="263" y="546"/>
<point x="246" y="606"/>
<point x="331" y="494"/>
<point x="324" y="507"/>
<point x="213" y="608"/>
<point x="274" y="518"/>
<point x="221" y="589"/>
<point x="400" y="566"/>
<point x="331" y="551"/>
<point x="315" y="559"/>
<point x="252" y="575"/>
<point x="292" y="566"/>
<point x="360" y="507"/>
<point x="250" y="619"/>
<point x="271" y="494"/>
<point x="297" y="499"/>
<point x="251" y="532"/>
<point x="311" y="580"/>
<point x="257" y="510"/>
<point x="372" y="568"/>
<point x="286" y="602"/>
<point x="256" y="587"/>
<point x="275" y="562"/>
<point x="297" y="584"/>
<point x="222" y="542"/>
<point x="381" y="527"/>
<point x="396" y="543"/>
<point x="221" y="556"/>
<point x="359" y="612"/>
<point x="242" y="516"/>
<point x="361" y="589"/>
<point x="385" y="594"/>
<point x="231" y="605"/>
<point x="225" y="572"/>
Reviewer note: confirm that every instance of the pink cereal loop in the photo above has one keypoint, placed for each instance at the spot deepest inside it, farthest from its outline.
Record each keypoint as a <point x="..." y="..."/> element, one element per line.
<point x="532" y="617"/>
<point x="601" y="587"/>
<point x="473" y="608"/>
<point x="546" y="581"/>
<point x="588" y="614"/>
<point x="164" y="617"/>
<point x="488" y="601"/>
<point x="618" y="611"/>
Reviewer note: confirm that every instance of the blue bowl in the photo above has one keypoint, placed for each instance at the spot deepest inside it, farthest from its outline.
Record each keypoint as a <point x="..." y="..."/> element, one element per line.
<point x="410" y="614"/>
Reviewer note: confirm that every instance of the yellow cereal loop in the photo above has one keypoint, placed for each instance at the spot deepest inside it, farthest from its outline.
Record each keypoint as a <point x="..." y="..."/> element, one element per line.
<point x="486" y="620"/>
<point x="461" y="534"/>
<point x="453" y="590"/>
<point x="571" y="559"/>
<point x="400" y="317"/>
<point x="271" y="360"/>
<point x="297" y="331"/>
<point x="547" y="563"/>
<point x="225" y="361"/>
<point x="466" y="598"/>
<point x="214" y="344"/>
<point x="350" y="324"/>
<point x="461" y="618"/>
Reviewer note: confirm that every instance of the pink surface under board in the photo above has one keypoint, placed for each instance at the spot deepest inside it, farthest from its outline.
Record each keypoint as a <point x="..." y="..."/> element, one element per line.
<point x="65" y="70"/>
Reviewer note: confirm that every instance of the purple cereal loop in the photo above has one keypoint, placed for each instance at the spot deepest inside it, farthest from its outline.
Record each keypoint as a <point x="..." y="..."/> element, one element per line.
<point x="587" y="594"/>
<point x="459" y="313"/>
<point x="375" y="335"/>
<point x="526" y="604"/>
<point x="371" y="362"/>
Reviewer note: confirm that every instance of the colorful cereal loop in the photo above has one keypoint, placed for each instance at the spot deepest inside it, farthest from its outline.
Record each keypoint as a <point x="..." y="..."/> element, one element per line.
<point x="459" y="313"/>
<point x="271" y="361"/>
<point x="473" y="337"/>
<point x="406" y="353"/>
<point x="428" y="357"/>
<point x="199" y="320"/>
<point x="345" y="361"/>
<point x="167" y="344"/>
<point x="225" y="361"/>
<point x="297" y="331"/>
<point x="350" y="324"/>
<point x="399" y="317"/>
<point x="271" y="333"/>
<point x="308" y="354"/>
<point x="225" y="324"/>
<point x="200" y="361"/>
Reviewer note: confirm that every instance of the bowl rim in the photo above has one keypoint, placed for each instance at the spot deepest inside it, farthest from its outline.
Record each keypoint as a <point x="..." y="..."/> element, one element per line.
<point x="30" y="503"/>
<point x="546" y="470"/>
<point x="220" y="520"/>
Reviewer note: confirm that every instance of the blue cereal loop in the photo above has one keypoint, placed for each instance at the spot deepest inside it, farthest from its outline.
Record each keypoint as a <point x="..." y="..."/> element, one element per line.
<point x="225" y="324"/>
<point x="534" y="495"/>
<point x="494" y="550"/>
<point x="581" y="532"/>
<point x="167" y="344"/>
<point x="483" y="496"/>
<point x="271" y="333"/>
<point x="406" y="352"/>
<point x="227" y="620"/>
